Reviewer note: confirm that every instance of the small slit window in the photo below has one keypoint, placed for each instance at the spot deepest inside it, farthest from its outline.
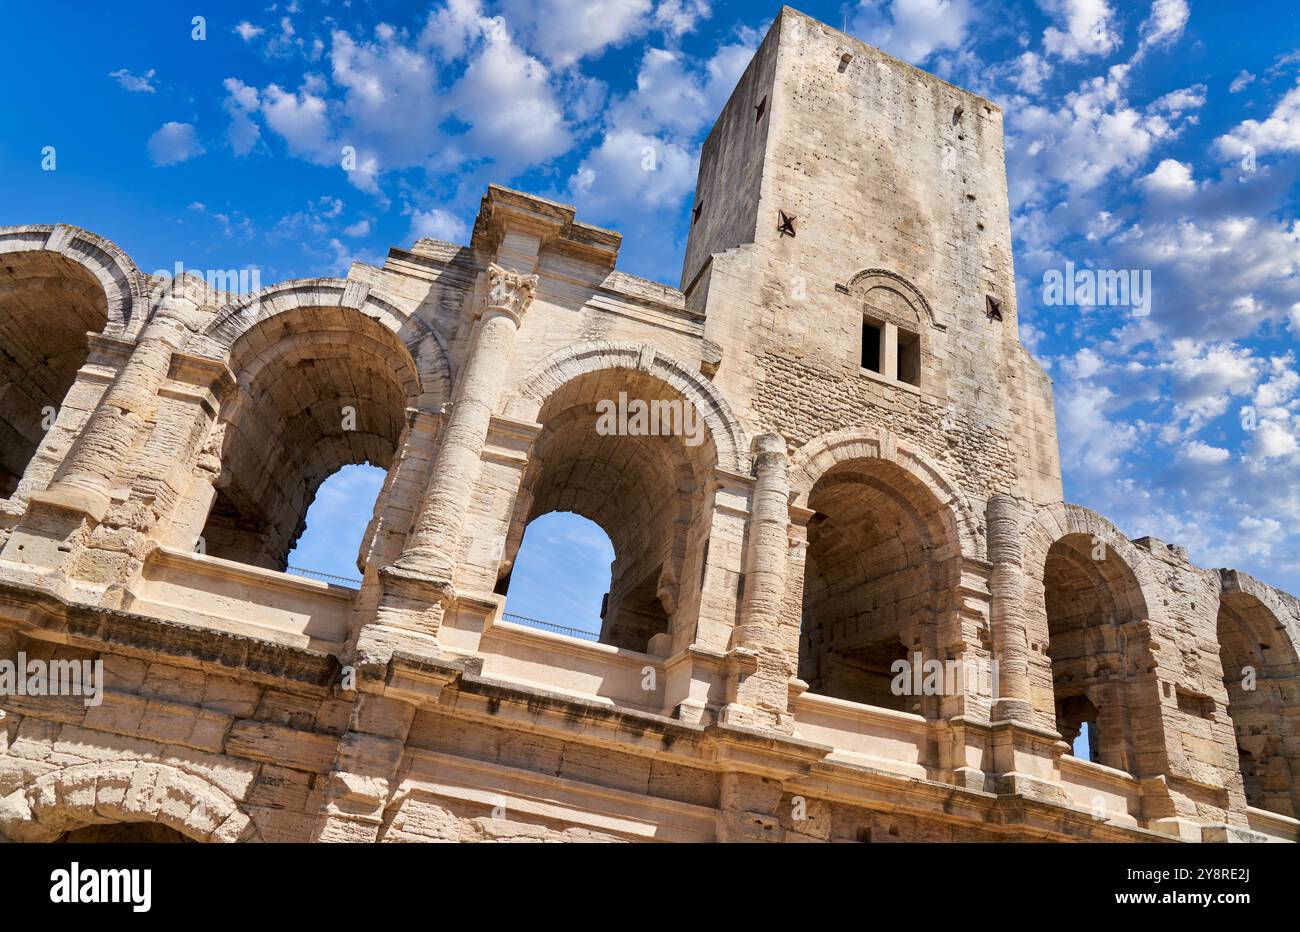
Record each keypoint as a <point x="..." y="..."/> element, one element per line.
<point x="759" y="109"/>
<point x="909" y="358"/>
<point x="871" y="334"/>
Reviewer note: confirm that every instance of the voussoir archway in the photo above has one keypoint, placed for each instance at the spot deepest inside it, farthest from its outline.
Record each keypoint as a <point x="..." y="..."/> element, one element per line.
<point x="126" y="289"/>
<point x="1054" y="522"/>
<point x="124" y="791"/>
<point x="1285" y="613"/>
<point x="817" y="457"/>
<point x="561" y="368"/>
<point x="869" y="280"/>
<point x="426" y="346"/>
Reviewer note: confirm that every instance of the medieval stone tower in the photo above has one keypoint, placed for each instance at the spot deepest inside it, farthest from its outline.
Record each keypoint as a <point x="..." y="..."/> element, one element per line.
<point x="874" y="487"/>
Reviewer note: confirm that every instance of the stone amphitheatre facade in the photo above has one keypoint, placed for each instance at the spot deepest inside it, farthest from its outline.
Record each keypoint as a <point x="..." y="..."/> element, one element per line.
<point x="877" y="481"/>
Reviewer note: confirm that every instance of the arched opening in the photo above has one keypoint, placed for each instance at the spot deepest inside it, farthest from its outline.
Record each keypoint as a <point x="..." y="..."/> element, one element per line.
<point x="882" y="562"/>
<point x="1090" y="596"/>
<point x="335" y="525"/>
<point x="1260" y="671"/>
<point x="892" y="335"/>
<point x="48" y="305"/>
<point x="124" y="833"/>
<point x="627" y="452"/>
<point x="319" y="389"/>
<point x="562" y="570"/>
<point x="1084" y="746"/>
<point x="1076" y="720"/>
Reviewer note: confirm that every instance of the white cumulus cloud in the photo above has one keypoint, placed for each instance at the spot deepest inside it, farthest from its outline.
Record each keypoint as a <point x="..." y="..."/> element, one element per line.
<point x="913" y="29"/>
<point x="135" y="83"/>
<point x="438" y="224"/>
<point x="1171" y="178"/>
<point x="173" y="143"/>
<point x="1086" y="30"/>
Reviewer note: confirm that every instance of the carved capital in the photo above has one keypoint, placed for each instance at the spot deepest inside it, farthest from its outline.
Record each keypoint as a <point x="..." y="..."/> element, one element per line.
<point x="509" y="291"/>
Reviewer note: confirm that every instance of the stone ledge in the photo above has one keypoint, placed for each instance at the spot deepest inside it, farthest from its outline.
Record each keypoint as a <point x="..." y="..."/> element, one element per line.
<point x="152" y="638"/>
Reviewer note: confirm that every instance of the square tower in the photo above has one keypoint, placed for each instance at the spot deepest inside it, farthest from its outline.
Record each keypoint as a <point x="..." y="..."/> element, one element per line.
<point x="851" y="232"/>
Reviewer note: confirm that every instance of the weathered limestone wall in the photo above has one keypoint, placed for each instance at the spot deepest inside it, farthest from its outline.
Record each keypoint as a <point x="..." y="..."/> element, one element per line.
<point x="883" y="168"/>
<point x="817" y="522"/>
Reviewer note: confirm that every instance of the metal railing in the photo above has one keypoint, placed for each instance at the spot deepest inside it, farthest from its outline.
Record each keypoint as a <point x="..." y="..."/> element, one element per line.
<point x="548" y="626"/>
<point x="324" y="577"/>
<point x="351" y="583"/>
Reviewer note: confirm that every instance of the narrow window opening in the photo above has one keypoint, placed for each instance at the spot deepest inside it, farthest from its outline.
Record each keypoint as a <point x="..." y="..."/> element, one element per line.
<point x="870" y="346"/>
<point x="785" y="223"/>
<point x="695" y="214"/>
<point x="334" y="526"/>
<point x="1085" y="745"/>
<point x="760" y="109"/>
<point x="844" y="61"/>
<point x="560" y="578"/>
<point x="993" y="307"/>
<point x="909" y="358"/>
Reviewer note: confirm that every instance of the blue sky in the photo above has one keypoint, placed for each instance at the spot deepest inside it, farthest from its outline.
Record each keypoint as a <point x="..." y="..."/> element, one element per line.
<point x="1162" y="137"/>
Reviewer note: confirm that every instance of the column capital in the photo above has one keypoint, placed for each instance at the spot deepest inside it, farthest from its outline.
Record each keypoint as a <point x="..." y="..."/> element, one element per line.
<point x="509" y="292"/>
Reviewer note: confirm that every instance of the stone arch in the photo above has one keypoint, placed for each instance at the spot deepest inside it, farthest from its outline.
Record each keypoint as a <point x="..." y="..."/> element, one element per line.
<point x="126" y="289"/>
<point x="1090" y="598"/>
<point x="58" y="286"/>
<point x="817" y="457"/>
<point x="869" y="280"/>
<point x="123" y="791"/>
<point x="886" y="542"/>
<point x="303" y="353"/>
<point x="651" y="493"/>
<point x="1063" y="519"/>
<point x="1283" y="609"/>
<point x="425" y="344"/>
<point x="1261" y="674"/>
<point x="562" y="367"/>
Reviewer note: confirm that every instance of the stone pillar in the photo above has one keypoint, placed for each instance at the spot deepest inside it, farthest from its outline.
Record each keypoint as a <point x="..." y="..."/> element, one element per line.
<point x="84" y="483"/>
<point x="418" y="586"/>
<point x="769" y="543"/>
<point x="1025" y="758"/>
<point x="53" y="531"/>
<point x="759" y="667"/>
<point x="1007" y="611"/>
<point x="889" y="351"/>
<point x="361" y="782"/>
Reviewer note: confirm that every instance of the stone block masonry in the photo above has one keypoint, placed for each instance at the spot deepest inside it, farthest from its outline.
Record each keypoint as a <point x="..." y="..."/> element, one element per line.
<point x="867" y="488"/>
